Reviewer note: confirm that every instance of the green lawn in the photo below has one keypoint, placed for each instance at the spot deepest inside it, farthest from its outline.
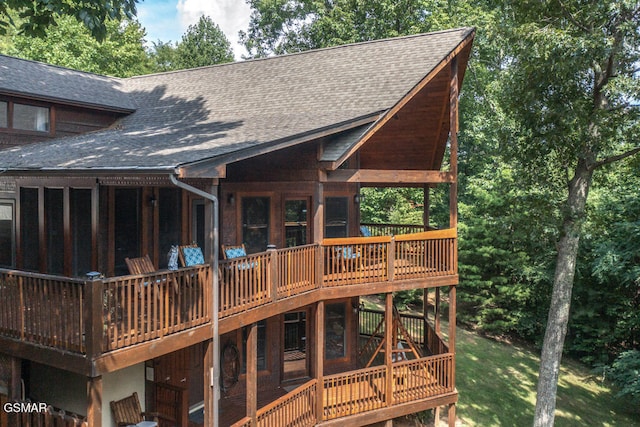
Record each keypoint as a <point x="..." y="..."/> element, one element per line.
<point x="497" y="383"/>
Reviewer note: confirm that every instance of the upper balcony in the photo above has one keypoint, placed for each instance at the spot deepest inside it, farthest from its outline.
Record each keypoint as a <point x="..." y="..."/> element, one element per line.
<point x="97" y="321"/>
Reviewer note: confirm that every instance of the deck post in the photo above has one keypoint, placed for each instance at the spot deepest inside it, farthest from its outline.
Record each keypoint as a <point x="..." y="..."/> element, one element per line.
<point x="94" y="401"/>
<point x="272" y="273"/>
<point x="93" y="320"/>
<point x="452" y="415"/>
<point x="319" y="360"/>
<point x="208" y="382"/>
<point x="425" y="320"/>
<point x="436" y="314"/>
<point x="15" y="386"/>
<point x="318" y="230"/>
<point x="252" y="372"/>
<point x="388" y="345"/>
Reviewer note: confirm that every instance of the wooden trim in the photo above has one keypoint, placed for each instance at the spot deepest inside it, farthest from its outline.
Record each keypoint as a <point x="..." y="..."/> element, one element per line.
<point x="66" y="226"/>
<point x="252" y="371"/>
<point x="400" y="104"/>
<point x="60" y="359"/>
<point x="373" y="176"/>
<point x="448" y="233"/>
<point x="139" y="353"/>
<point x="42" y="231"/>
<point x="216" y="168"/>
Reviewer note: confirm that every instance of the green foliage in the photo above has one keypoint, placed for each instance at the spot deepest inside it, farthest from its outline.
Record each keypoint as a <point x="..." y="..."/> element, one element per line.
<point x="70" y="44"/>
<point x="625" y="374"/>
<point x="163" y="56"/>
<point x="203" y="44"/>
<point x="36" y="17"/>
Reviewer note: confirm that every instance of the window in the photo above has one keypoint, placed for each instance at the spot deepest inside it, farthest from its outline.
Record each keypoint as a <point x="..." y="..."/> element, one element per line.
<point x="29" y="228"/>
<point x="53" y="201"/>
<point x="255" y="223"/>
<point x="336" y="216"/>
<point x="81" y="231"/>
<point x="4" y="111"/>
<point x="335" y="324"/>
<point x="7" y="234"/>
<point x="24" y="117"/>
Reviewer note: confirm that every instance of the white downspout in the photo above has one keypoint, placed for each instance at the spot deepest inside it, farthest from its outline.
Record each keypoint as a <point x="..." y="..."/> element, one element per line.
<point x="215" y="369"/>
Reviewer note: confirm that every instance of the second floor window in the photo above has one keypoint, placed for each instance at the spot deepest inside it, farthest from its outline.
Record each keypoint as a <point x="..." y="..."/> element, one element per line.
<point x="24" y="117"/>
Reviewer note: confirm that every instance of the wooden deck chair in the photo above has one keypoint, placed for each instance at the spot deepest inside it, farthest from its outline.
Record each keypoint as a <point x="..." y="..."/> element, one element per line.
<point x="127" y="412"/>
<point x="142" y="265"/>
<point x="190" y="255"/>
<point x="238" y="251"/>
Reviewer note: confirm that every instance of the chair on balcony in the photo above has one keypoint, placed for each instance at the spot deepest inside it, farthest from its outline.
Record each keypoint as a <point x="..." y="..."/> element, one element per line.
<point x="238" y="251"/>
<point x="190" y="255"/>
<point x="142" y="265"/>
<point x="127" y="412"/>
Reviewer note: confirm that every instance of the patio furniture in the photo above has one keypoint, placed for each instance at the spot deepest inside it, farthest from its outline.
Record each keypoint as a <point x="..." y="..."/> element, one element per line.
<point x="127" y="412"/>
<point x="142" y="265"/>
<point x="190" y="255"/>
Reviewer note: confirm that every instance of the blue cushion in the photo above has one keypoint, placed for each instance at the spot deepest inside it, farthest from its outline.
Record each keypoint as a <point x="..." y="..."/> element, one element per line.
<point x="235" y="253"/>
<point x="364" y="230"/>
<point x="348" y="252"/>
<point x="192" y="256"/>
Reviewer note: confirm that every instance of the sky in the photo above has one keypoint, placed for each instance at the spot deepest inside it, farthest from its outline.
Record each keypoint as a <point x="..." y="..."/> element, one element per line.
<point x="168" y="20"/>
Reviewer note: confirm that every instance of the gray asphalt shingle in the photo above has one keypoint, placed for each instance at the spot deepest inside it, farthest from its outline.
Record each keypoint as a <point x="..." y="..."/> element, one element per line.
<point x="187" y="116"/>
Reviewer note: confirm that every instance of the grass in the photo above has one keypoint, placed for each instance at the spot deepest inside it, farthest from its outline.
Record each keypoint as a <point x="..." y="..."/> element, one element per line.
<point x="497" y="383"/>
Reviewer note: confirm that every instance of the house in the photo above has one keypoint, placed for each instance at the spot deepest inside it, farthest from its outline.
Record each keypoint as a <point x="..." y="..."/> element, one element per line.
<point x="260" y="164"/>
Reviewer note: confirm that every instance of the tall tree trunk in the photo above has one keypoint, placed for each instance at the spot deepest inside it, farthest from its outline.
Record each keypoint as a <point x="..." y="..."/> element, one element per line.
<point x="561" y="297"/>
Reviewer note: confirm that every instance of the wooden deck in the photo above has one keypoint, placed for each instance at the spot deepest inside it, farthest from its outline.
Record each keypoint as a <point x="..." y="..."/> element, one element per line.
<point x="92" y="318"/>
<point x="354" y="393"/>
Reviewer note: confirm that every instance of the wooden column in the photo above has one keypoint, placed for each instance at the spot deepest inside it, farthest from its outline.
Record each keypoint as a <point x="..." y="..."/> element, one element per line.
<point x="15" y="385"/>
<point x="94" y="402"/>
<point x="426" y="202"/>
<point x="452" y="415"/>
<point x="388" y="345"/>
<point x="319" y="359"/>
<point x="66" y="227"/>
<point x="453" y="139"/>
<point x="452" y="319"/>
<point x="209" y="227"/>
<point x="425" y="319"/>
<point x="318" y="228"/>
<point x="208" y="383"/>
<point x="252" y="372"/>
<point x="436" y="313"/>
<point x="95" y="228"/>
<point x="93" y="320"/>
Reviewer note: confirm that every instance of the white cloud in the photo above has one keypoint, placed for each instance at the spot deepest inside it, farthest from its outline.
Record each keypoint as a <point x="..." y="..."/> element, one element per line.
<point x="230" y="15"/>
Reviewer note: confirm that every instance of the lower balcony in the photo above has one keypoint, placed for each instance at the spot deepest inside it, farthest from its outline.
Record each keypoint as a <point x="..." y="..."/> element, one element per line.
<point x="94" y="318"/>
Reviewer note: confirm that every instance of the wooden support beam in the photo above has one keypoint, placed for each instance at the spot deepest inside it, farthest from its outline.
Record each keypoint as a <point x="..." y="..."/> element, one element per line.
<point x="15" y="384"/>
<point x="436" y="314"/>
<point x="381" y="176"/>
<point x="453" y="139"/>
<point x="94" y="401"/>
<point x="319" y="359"/>
<point x="209" y="416"/>
<point x="388" y="345"/>
<point x="252" y="372"/>
<point x="452" y="415"/>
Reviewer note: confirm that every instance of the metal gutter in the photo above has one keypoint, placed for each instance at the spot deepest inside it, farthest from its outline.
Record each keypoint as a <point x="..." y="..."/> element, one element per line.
<point x="215" y="369"/>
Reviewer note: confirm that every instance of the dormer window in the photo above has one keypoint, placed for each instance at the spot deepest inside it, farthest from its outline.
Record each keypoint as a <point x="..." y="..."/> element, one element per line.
<point x="24" y="117"/>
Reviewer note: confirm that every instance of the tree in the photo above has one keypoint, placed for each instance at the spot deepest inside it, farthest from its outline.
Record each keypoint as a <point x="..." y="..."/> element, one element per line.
<point x="70" y="44"/>
<point x="163" y="56"/>
<point x="203" y="44"/>
<point x="573" y="86"/>
<point x="36" y="16"/>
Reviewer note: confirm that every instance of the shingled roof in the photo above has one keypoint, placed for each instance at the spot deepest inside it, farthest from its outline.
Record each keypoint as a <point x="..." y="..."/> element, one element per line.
<point x="240" y="109"/>
<point x="52" y="83"/>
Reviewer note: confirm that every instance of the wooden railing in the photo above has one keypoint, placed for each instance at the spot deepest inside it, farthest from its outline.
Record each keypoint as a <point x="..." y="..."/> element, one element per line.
<point x="65" y="313"/>
<point x="422" y="378"/>
<point x="426" y="254"/>
<point x="354" y="260"/>
<point x="144" y="307"/>
<point x="296" y="270"/>
<point x="295" y="409"/>
<point x="42" y="309"/>
<point x="393" y="229"/>
<point x="244" y="283"/>
<point x="354" y="392"/>
<point x="50" y="417"/>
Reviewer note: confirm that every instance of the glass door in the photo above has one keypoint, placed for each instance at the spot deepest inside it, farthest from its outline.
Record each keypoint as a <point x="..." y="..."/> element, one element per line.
<point x="255" y="223"/>
<point x="296" y="220"/>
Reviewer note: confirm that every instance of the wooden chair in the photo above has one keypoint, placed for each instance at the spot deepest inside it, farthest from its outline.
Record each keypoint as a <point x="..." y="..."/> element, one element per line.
<point x="190" y="255"/>
<point x="231" y="251"/>
<point x="142" y="265"/>
<point x="127" y="412"/>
